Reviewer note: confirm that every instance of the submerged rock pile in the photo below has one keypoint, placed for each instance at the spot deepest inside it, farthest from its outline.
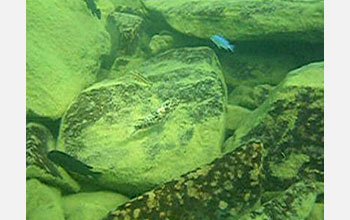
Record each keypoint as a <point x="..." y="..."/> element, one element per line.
<point x="171" y="126"/>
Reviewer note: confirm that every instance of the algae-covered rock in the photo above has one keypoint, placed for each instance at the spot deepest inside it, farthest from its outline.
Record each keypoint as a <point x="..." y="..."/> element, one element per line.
<point x="91" y="205"/>
<point x="160" y="43"/>
<point x="125" y="31"/>
<point x="226" y="187"/>
<point x="295" y="203"/>
<point x="249" y="97"/>
<point x="290" y="123"/>
<point x="64" y="45"/>
<point x="42" y="202"/>
<point x="317" y="212"/>
<point x="162" y="120"/>
<point x="288" y="168"/>
<point x="263" y="63"/>
<point x="245" y="19"/>
<point x="39" y="141"/>
<point x="235" y="116"/>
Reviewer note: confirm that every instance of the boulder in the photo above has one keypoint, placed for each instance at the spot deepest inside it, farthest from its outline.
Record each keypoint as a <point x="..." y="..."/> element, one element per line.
<point x="64" y="45"/>
<point x="290" y="124"/>
<point x="42" y="202"/>
<point x="226" y="187"/>
<point x="91" y="205"/>
<point x="317" y="212"/>
<point x="236" y="116"/>
<point x="160" y="43"/>
<point x="249" y="97"/>
<point x="163" y="119"/>
<point x="245" y="19"/>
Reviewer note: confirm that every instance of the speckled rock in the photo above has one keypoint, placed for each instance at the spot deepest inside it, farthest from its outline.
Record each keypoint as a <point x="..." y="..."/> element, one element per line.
<point x="290" y="124"/>
<point x="226" y="187"/>
<point x="91" y="205"/>
<point x="64" y="45"/>
<point x="42" y="202"/>
<point x="39" y="141"/>
<point x="245" y="20"/>
<point x="295" y="203"/>
<point x="163" y="119"/>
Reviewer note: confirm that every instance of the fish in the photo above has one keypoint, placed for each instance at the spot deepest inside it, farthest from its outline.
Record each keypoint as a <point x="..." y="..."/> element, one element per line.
<point x="93" y="8"/>
<point x="221" y="42"/>
<point x="158" y="115"/>
<point x="71" y="164"/>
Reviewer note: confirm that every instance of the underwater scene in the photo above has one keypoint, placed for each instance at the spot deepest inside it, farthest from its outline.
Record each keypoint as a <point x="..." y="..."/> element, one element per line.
<point x="174" y="109"/>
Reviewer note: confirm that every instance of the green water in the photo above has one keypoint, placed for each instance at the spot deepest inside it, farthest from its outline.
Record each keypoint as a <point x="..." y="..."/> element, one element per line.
<point x="174" y="110"/>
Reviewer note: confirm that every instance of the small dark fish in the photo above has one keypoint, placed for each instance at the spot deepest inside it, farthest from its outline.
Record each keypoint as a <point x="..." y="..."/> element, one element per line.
<point x="71" y="164"/>
<point x="93" y="8"/>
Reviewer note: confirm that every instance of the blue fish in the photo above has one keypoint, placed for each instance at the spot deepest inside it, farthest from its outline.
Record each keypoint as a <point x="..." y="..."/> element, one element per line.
<point x="221" y="42"/>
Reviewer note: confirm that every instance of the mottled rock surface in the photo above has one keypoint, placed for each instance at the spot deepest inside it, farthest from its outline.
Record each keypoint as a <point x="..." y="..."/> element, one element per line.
<point x="290" y="124"/>
<point x="163" y="119"/>
<point x="226" y="187"/>
<point x="241" y="20"/>
<point x="64" y="45"/>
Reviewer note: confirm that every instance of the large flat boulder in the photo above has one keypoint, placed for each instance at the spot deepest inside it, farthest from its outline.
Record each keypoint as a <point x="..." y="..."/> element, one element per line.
<point x="241" y="20"/>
